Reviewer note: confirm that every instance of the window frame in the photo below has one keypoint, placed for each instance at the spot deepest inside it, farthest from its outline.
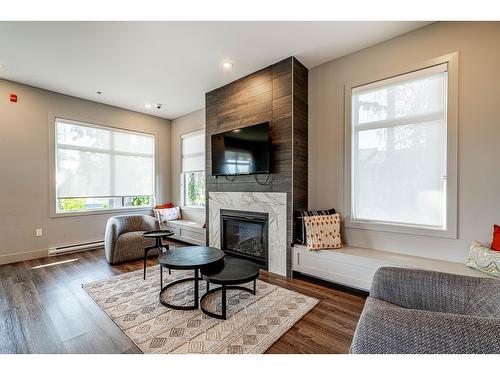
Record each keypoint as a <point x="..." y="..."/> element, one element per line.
<point x="182" y="176"/>
<point x="451" y="153"/>
<point x="92" y="123"/>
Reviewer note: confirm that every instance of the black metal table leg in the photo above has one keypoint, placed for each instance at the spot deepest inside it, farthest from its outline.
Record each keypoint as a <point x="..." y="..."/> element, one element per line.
<point x="145" y="261"/>
<point x="196" y="288"/>
<point x="168" y="248"/>
<point x="146" y="251"/>
<point x="161" y="277"/>
<point x="196" y="302"/>
<point x="224" y="302"/>
<point x="164" y="249"/>
<point x="158" y="245"/>
<point x="223" y="289"/>
<point x="157" y="235"/>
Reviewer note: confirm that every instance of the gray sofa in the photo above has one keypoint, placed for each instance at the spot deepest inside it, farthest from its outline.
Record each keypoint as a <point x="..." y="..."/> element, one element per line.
<point x="123" y="239"/>
<point x="417" y="311"/>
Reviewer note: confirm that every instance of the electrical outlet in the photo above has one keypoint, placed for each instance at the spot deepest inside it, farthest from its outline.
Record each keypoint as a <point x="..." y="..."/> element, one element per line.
<point x="39" y="232"/>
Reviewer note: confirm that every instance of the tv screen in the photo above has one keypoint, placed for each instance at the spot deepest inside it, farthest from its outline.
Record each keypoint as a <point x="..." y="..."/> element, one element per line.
<point x="241" y="151"/>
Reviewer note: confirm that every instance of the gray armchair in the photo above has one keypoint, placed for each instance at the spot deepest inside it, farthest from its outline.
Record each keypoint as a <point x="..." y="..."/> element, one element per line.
<point x="123" y="239"/>
<point x="417" y="311"/>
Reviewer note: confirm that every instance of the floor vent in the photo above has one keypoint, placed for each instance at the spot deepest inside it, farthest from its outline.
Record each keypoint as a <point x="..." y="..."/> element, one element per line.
<point x="74" y="248"/>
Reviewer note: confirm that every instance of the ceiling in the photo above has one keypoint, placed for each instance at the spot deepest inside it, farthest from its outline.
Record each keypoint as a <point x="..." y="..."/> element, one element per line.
<point x="173" y="63"/>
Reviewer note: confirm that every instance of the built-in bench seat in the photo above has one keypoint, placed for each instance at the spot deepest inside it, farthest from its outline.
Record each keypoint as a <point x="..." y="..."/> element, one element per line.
<point x="186" y="231"/>
<point x="355" y="266"/>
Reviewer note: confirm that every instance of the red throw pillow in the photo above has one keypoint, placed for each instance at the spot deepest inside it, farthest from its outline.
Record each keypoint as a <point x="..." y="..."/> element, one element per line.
<point x="495" y="244"/>
<point x="166" y="205"/>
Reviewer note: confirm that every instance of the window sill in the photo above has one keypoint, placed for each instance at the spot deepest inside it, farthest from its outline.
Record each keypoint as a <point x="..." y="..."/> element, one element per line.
<point x="193" y="208"/>
<point x="402" y="229"/>
<point x="103" y="212"/>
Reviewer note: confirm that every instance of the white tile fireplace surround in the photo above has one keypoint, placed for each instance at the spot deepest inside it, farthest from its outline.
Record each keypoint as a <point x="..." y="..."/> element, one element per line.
<point x="274" y="204"/>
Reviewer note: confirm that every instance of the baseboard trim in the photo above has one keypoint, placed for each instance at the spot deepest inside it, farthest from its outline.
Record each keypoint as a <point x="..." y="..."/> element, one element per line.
<point x="21" y="257"/>
<point x="330" y="284"/>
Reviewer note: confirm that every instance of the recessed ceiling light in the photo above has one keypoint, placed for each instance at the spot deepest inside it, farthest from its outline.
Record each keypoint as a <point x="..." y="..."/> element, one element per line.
<point x="147" y="105"/>
<point x="227" y="65"/>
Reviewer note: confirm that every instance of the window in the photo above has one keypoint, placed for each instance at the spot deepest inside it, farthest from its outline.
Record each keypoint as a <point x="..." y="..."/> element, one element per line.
<point x="99" y="168"/>
<point x="193" y="169"/>
<point x="399" y="153"/>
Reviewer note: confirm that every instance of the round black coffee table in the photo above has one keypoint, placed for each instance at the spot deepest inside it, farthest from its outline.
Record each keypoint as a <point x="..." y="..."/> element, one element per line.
<point x="157" y="235"/>
<point x="229" y="275"/>
<point x="188" y="258"/>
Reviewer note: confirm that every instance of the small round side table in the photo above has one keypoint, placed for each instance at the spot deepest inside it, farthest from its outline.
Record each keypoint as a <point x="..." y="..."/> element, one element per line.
<point x="157" y="235"/>
<point x="194" y="258"/>
<point x="231" y="273"/>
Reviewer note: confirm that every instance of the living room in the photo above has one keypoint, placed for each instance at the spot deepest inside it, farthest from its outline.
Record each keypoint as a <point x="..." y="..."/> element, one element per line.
<point x="297" y="194"/>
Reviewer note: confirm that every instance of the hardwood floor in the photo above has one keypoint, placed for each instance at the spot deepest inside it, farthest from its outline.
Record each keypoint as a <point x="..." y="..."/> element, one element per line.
<point x="43" y="309"/>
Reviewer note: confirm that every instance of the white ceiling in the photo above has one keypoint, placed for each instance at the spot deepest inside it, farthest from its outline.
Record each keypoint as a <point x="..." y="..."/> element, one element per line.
<point x="173" y="63"/>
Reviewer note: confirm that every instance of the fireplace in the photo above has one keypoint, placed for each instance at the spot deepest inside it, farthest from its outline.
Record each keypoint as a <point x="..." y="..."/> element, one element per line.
<point x="244" y="234"/>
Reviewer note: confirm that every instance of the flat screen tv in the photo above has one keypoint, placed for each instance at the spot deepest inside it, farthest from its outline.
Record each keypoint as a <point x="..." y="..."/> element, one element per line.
<point x="242" y="151"/>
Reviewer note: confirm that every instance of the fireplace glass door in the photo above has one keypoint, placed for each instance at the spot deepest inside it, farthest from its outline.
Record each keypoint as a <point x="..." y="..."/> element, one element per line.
<point x="245" y="234"/>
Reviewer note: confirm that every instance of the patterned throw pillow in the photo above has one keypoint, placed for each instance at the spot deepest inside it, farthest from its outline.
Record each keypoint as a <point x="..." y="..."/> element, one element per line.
<point x="323" y="232"/>
<point x="167" y="214"/>
<point x="483" y="259"/>
<point x="300" y="232"/>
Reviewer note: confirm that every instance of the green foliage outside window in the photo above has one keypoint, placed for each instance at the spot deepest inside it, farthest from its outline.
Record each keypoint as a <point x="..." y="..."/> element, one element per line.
<point x="195" y="192"/>
<point x="192" y="191"/>
<point x="140" y="201"/>
<point x="71" y="204"/>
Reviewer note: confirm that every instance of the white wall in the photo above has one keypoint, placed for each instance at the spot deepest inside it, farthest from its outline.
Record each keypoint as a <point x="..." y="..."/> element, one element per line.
<point x="24" y="168"/>
<point x="479" y="130"/>
<point x="186" y="124"/>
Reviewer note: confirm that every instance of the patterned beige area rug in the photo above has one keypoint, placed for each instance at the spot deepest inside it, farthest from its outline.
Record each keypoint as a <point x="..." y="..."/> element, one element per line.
<point x="254" y="323"/>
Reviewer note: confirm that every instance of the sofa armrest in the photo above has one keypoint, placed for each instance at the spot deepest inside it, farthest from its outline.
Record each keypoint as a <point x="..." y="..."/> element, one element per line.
<point x="113" y="230"/>
<point x="385" y="328"/>
<point x="437" y="291"/>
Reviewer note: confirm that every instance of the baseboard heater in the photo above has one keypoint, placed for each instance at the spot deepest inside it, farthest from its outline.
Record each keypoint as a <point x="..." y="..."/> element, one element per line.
<point x="74" y="248"/>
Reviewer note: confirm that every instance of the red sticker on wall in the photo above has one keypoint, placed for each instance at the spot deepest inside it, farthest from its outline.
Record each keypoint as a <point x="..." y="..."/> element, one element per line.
<point x="13" y="98"/>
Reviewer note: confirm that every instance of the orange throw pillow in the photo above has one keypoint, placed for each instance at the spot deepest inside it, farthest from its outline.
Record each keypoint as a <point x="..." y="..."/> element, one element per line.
<point x="495" y="244"/>
<point x="323" y="232"/>
<point x="166" y="205"/>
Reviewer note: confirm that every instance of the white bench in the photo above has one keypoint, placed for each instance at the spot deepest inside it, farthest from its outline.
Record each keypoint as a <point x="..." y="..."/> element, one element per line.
<point x="186" y="231"/>
<point x="355" y="266"/>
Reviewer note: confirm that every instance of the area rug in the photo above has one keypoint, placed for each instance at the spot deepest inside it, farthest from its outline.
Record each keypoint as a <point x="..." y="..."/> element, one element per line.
<point x="254" y="323"/>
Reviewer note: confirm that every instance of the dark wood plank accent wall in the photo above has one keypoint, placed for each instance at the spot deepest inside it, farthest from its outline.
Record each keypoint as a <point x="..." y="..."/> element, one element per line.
<point x="276" y="94"/>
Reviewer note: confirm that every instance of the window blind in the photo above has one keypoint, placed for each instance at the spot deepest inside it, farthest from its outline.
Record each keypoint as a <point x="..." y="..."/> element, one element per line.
<point x="96" y="161"/>
<point x="193" y="152"/>
<point x="399" y="149"/>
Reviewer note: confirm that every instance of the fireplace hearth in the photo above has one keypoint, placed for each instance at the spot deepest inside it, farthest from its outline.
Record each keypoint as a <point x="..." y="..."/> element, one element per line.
<point x="244" y="234"/>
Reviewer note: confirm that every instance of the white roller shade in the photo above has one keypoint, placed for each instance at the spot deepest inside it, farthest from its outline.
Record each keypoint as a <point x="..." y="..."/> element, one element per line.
<point x="193" y="152"/>
<point x="399" y="149"/>
<point x="95" y="161"/>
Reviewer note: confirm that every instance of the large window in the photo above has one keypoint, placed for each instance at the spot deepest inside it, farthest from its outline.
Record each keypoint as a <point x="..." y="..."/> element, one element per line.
<point x="399" y="150"/>
<point x="100" y="168"/>
<point x="193" y="169"/>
